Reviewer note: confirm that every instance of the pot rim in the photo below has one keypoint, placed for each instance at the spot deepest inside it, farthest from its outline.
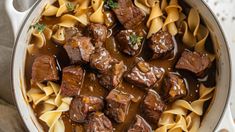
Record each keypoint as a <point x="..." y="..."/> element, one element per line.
<point x="36" y="4"/>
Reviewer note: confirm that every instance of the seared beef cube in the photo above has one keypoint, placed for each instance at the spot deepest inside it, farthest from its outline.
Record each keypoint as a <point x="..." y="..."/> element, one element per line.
<point x="129" y="15"/>
<point x="98" y="122"/>
<point x="100" y="60"/>
<point x="118" y="104"/>
<point x="174" y="87"/>
<point x="98" y="33"/>
<point x="44" y="69"/>
<point x="145" y="75"/>
<point x="81" y="106"/>
<point x="129" y="42"/>
<point x="161" y="44"/>
<point x="153" y="107"/>
<point x="79" y="49"/>
<point x="140" y="125"/>
<point x="72" y="80"/>
<point x="112" y="78"/>
<point x="195" y="62"/>
<point x="71" y="32"/>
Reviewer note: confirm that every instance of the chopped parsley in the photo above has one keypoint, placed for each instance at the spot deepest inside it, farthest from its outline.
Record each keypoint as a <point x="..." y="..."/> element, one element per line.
<point x="70" y="6"/>
<point x="39" y="27"/>
<point x="112" y="4"/>
<point x="134" y="39"/>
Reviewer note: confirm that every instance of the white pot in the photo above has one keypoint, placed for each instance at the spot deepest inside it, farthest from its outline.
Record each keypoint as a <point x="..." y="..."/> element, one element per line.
<point x="218" y="116"/>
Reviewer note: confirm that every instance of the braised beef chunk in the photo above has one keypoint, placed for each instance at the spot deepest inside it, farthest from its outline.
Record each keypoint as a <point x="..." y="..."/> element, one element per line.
<point x="98" y="122"/>
<point x="118" y="105"/>
<point x="129" y="42"/>
<point x="153" y="107"/>
<point x="100" y="60"/>
<point x="72" y="80"/>
<point x="79" y="49"/>
<point x="81" y="106"/>
<point x="195" y="62"/>
<point x="112" y="78"/>
<point x="174" y="87"/>
<point x="145" y="75"/>
<point x="98" y="33"/>
<point x="44" y="69"/>
<point x="128" y="15"/>
<point x="161" y="44"/>
<point x="140" y="125"/>
<point x="71" y="32"/>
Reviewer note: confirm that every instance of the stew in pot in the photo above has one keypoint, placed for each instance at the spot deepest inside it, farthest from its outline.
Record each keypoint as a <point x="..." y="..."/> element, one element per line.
<point x="120" y="65"/>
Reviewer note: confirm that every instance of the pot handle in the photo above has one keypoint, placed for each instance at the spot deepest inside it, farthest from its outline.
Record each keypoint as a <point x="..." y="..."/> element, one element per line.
<point x="16" y="17"/>
<point x="227" y="122"/>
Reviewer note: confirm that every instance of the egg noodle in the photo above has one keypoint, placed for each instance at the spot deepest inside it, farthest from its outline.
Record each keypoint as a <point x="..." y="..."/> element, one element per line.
<point x="53" y="104"/>
<point x="185" y="116"/>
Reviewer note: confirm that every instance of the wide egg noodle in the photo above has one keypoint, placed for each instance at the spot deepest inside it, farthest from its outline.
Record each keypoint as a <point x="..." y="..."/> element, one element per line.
<point x="81" y="11"/>
<point x="188" y="39"/>
<point x="195" y="34"/>
<point x="39" y="96"/>
<point x="31" y="92"/>
<point x="194" y="21"/>
<point x="59" y="126"/>
<point x="173" y="10"/>
<point x="68" y="20"/>
<point x="82" y="5"/>
<point x="180" y="125"/>
<point x="80" y="16"/>
<point x="39" y="38"/>
<point x="97" y="16"/>
<point x="58" y="99"/>
<point x="53" y="104"/>
<point x="47" y="107"/>
<point x="202" y="35"/>
<point x="52" y="117"/>
<point x="59" y="35"/>
<point x="193" y="122"/>
<point x="154" y="22"/>
<point x="185" y="116"/>
<point x="63" y="8"/>
<point x="50" y="10"/>
<point x="55" y="87"/>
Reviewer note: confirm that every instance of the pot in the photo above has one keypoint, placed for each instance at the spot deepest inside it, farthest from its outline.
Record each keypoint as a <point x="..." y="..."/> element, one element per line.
<point x="217" y="117"/>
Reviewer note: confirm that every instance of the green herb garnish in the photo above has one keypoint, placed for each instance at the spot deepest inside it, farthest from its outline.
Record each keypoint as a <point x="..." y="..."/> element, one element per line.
<point x="70" y="6"/>
<point x="112" y="4"/>
<point x="134" y="39"/>
<point x="39" y="27"/>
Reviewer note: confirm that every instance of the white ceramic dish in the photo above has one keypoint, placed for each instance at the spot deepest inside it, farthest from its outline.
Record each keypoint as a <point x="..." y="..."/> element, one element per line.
<point x="219" y="109"/>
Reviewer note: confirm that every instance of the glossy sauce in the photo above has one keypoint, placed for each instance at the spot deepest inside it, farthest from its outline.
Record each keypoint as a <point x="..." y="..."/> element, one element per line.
<point x="92" y="87"/>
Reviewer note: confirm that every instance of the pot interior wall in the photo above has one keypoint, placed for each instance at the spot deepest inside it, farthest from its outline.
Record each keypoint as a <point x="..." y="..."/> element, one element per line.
<point x="223" y="75"/>
<point x="18" y="67"/>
